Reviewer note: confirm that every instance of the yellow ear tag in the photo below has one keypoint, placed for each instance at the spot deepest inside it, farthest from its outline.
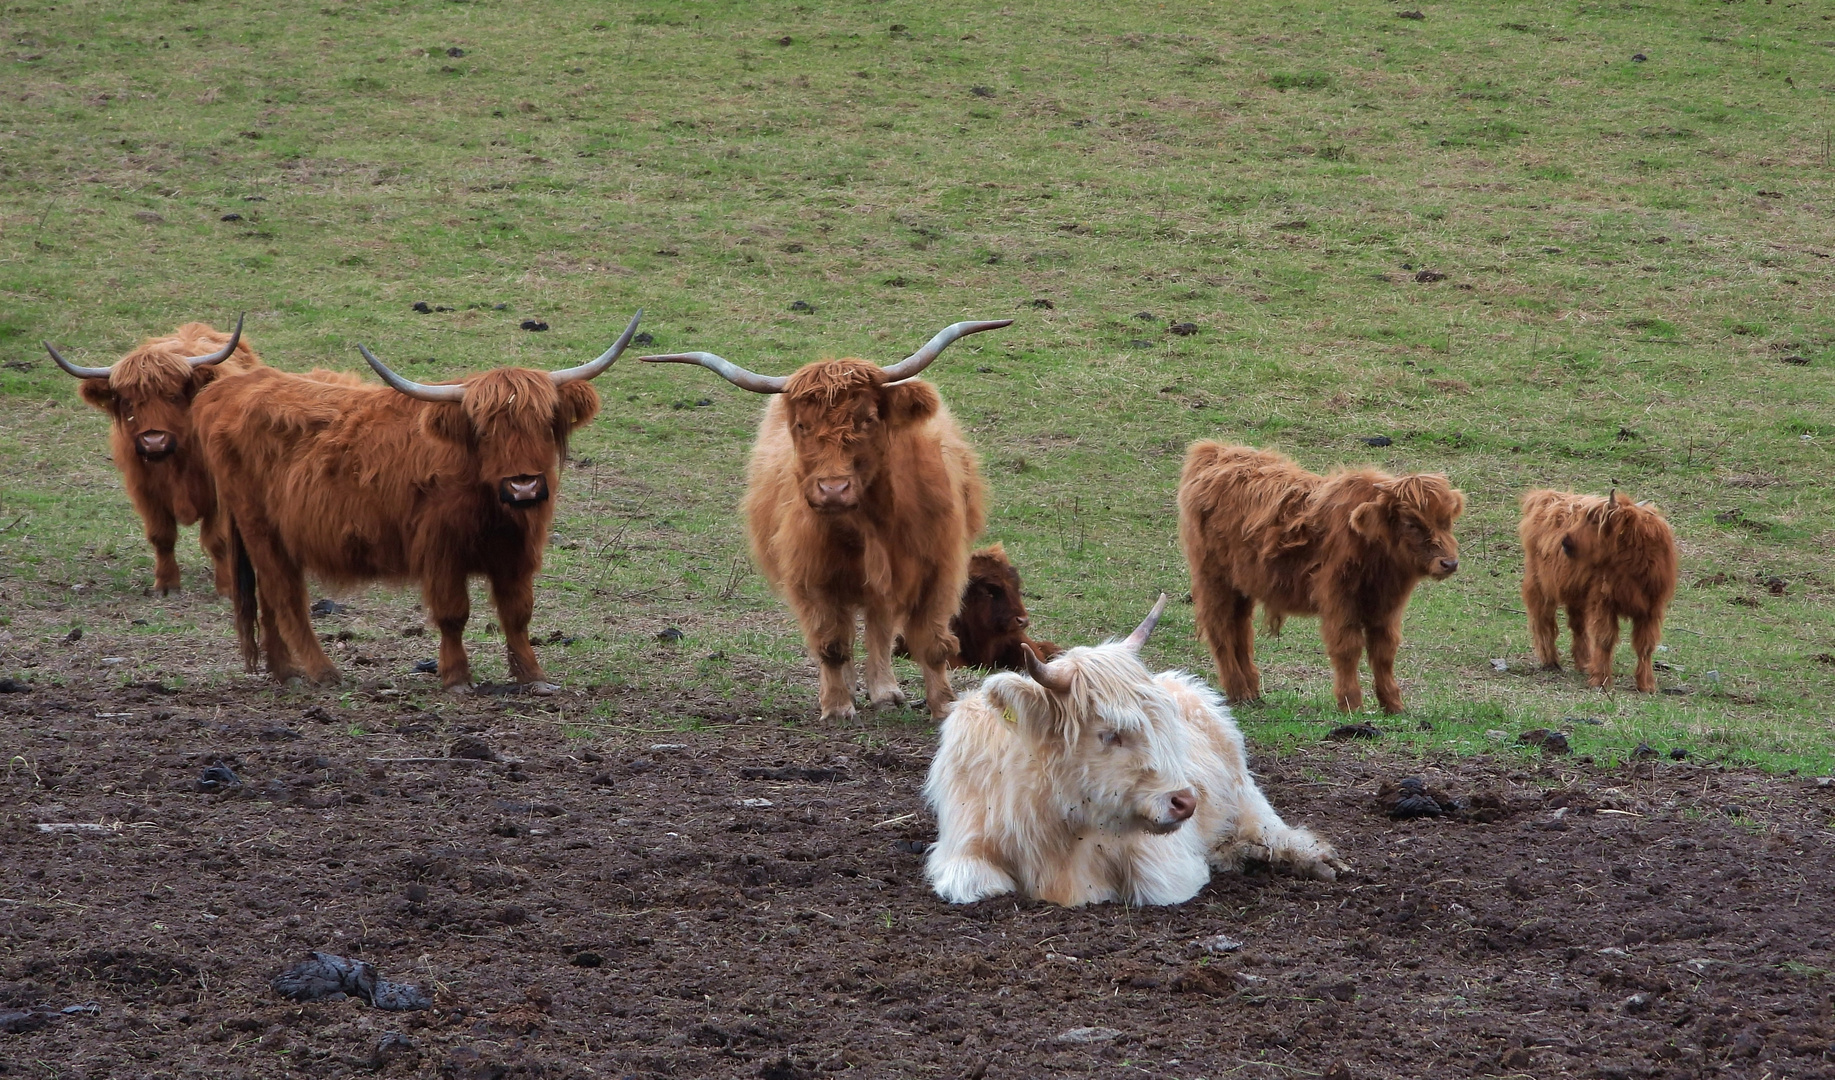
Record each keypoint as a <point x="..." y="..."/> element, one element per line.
<point x="1006" y="713"/>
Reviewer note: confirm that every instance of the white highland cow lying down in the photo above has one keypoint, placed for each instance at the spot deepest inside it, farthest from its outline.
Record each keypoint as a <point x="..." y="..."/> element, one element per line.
<point x="1093" y="779"/>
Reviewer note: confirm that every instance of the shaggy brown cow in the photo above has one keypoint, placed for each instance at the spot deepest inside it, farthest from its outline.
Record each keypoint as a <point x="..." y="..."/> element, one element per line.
<point x="406" y="481"/>
<point x="147" y="395"/>
<point x="863" y="494"/>
<point x="991" y="625"/>
<point x="1604" y="560"/>
<point x="1349" y="548"/>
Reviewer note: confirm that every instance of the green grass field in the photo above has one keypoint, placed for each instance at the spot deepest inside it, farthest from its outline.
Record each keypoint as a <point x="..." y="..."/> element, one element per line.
<point x="1629" y="203"/>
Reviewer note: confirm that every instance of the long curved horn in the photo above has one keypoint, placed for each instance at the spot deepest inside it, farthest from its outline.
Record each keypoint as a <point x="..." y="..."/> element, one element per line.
<point x="592" y="369"/>
<point x="221" y="354"/>
<point x="918" y="361"/>
<point x="1139" y="636"/>
<point x="408" y="386"/>
<point x="1041" y="674"/>
<point x="731" y="372"/>
<point x="79" y="372"/>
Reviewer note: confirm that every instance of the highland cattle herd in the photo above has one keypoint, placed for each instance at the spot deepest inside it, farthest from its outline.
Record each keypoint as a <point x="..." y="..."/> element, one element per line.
<point x="1076" y="776"/>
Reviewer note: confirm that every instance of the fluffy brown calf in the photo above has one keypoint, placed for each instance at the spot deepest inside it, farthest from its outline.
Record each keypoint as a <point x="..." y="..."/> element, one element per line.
<point x="408" y="481"/>
<point x="862" y="494"/>
<point x="147" y="395"/>
<point x="1349" y="548"/>
<point x="991" y="625"/>
<point x="1604" y="560"/>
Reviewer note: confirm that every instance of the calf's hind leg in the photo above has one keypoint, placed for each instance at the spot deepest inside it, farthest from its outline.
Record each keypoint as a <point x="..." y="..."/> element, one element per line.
<point x="1602" y="638"/>
<point x="1645" y="633"/>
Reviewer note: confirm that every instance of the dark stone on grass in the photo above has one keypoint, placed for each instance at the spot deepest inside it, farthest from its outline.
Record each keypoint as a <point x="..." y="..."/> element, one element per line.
<point x="1548" y="740"/>
<point x="230" y="217"/>
<point x="645" y="338"/>
<point x="1678" y="754"/>
<point x="1644" y="752"/>
<point x="1589" y="721"/>
<point x="1798" y="361"/>
<point x="1146" y="316"/>
<point x="670" y="636"/>
<point x="14" y="686"/>
<point x="1417" y="16"/>
<point x="1183" y="329"/>
<point x="702" y="403"/>
<point x="75" y="635"/>
<point x="804" y="306"/>
<point x="1426" y="276"/>
<point x="786" y="40"/>
<point x="506" y="307"/>
<point x="423" y="307"/>
<point x="981" y="91"/>
<point x="219" y="778"/>
<point x="535" y="325"/>
<point x="1363" y="730"/>
<point x="327" y="606"/>
<point x="1044" y="305"/>
<point x="1378" y="440"/>
<point x="426" y="667"/>
<point x="455" y="52"/>
<point x="1638" y="58"/>
<point x="325" y="977"/>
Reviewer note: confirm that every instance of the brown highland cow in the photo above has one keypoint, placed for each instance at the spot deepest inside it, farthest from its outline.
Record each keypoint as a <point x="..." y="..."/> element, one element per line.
<point x="1349" y="548"/>
<point x="1604" y="560"/>
<point x="991" y="624"/>
<point x="147" y="395"/>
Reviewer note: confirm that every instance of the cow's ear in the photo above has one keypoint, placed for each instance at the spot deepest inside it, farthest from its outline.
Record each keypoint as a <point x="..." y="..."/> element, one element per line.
<point x="1371" y="520"/>
<point x="909" y="403"/>
<point x="1021" y="702"/>
<point x="447" y="420"/>
<point x="97" y="392"/>
<point x="579" y="403"/>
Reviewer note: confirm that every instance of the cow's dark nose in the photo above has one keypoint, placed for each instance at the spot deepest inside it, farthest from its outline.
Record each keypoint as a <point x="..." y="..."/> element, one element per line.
<point x="1447" y="566"/>
<point x="1181" y="805"/>
<point x="153" y="445"/>
<point x="837" y="492"/>
<point x="1021" y="621"/>
<point x="523" y="490"/>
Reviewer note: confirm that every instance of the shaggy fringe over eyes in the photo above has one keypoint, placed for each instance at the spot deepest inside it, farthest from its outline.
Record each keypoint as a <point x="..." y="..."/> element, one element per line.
<point x="158" y="367"/>
<point x="1111" y="683"/>
<point x="1431" y="494"/>
<point x="832" y="380"/>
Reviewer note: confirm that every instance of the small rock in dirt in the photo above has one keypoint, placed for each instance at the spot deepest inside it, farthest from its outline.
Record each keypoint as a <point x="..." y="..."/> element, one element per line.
<point x="1499" y="664"/>
<point x="1638" y="58"/>
<point x="325" y="977"/>
<point x="1218" y="944"/>
<point x="785" y="1069"/>
<point x="1089" y="1035"/>
<point x="472" y="748"/>
<point x="1363" y="730"/>
<point x="1044" y="305"/>
<point x="20" y="1021"/>
<point x="423" y="307"/>
<point x="325" y="605"/>
<point x="803" y="306"/>
<point x="1550" y="742"/>
<point x="1410" y="797"/>
<point x="586" y="960"/>
<point x="14" y="686"/>
<point x="1644" y="752"/>
<point x="392" y="1046"/>
<point x="1338" y="1070"/>
<point x="1638" y="1003"/>
<point x="755" y="804"/>
<point x="75" y="635"/>
<point x="1426" y="276"/>
<point x="1183" y="329"/>
<point x="670" y="636"/>
<point x="667" y="747"/>
<point x="278" y="734"/>
<point x="535" y="325"/>
<point x="317" y="714"/>
<point x="645" y="338"/>
<point x="910" y="847"/>
<point x="219" y="778"/>
<point x="1417" y="16"/>
<point x="1677" y="753"/>
<point x="230" y="217"/>
<point x="1145" y="316"/>
<point x="793" y="772"/>
<point x="426" y="667"/>
<point x="415" y="893"/>
<point x="1378" y="440"/>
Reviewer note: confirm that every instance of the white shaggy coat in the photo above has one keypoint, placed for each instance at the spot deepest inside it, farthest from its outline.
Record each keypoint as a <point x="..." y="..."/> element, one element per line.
<point x="1080" y="797"/>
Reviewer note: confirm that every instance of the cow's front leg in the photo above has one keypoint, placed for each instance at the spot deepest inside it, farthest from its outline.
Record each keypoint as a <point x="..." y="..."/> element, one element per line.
<point x="449" y="605"/>
<point x="1345" y="646"/>
<point x="962" y="875"/>
<point x="882" y="683"/>
<point x="1602" y="639"/>
<point x="162" y="533"/>
<point x="1645" y="633"/>
<point x="932" y="645"/>
<point x="514" y="596"/>
<point x="828" y="631"/>
<point x="1382" y="642"/>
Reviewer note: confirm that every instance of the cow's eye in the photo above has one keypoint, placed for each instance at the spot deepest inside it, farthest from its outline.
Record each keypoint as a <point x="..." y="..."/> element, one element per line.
<point x="1109" y="738"/>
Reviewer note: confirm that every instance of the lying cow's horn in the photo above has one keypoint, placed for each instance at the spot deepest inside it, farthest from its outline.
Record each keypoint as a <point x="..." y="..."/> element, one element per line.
<point x="409" y="386"/>
<point x="221" y="354"/>
<point x="1041" y="674"/>
<point x="1139" y="636"/>
<point x="731" y="372"/>
<point x="594" y="368"/>
<point x="918" y="361"/>
<point x="79" y="372"/>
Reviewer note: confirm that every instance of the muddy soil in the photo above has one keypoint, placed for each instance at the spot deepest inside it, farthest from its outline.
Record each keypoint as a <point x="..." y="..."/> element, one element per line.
<point x="748" y="901"/>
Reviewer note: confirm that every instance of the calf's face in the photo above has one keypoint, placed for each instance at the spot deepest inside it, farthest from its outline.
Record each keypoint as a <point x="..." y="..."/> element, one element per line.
<point x="1412" y="517"/>
<point x="148" y="397"/>
<point x="1112" y="743"/>
<point x="842" y="416"/>
<point x="991" y="604"/>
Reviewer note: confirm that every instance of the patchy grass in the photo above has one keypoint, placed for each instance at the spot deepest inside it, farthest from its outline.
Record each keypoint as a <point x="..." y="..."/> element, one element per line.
<point x="1628" y="246"/>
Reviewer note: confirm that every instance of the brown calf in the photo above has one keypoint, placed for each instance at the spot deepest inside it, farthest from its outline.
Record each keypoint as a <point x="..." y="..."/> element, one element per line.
<point x="991" y="625"/>
<point x="862" y="494"/>
<point x="1604" y="560"/>
<point x="1349" y="548"/>
<point x="147" y="395"/>
<point x="429" y="483"/>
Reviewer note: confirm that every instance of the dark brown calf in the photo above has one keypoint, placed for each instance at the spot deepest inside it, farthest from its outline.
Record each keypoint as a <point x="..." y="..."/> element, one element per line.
<point x="991" y="625"/>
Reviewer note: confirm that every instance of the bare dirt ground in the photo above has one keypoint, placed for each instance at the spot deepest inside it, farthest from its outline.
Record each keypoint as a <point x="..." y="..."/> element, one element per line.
<point x="749" y="902"/>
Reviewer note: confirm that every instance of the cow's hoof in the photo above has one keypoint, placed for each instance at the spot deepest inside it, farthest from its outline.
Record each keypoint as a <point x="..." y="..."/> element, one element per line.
<point x="845" y="715"/>
<point x="459" y="689"/>
<point x="541" y="689"/>
<point x="887" y="698"/>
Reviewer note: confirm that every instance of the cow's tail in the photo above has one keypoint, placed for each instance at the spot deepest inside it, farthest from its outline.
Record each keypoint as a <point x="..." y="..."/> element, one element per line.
<point x="243" y="595"/>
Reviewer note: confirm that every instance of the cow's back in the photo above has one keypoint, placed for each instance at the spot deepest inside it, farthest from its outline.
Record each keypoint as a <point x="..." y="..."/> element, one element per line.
<point x="1240" y="512"/>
